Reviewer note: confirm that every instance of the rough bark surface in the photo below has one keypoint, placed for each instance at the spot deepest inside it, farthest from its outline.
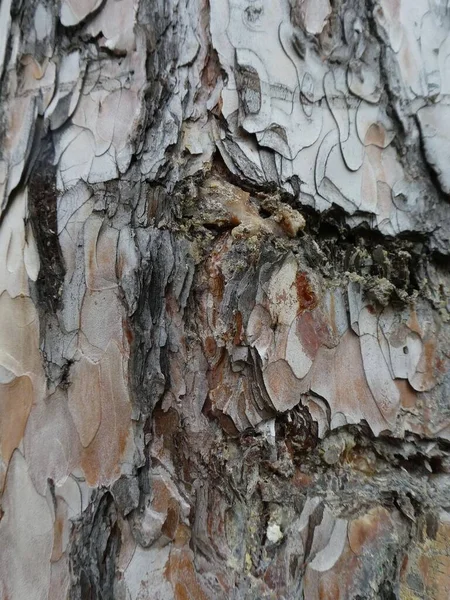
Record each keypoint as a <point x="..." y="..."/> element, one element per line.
<point x="224" y="299"/>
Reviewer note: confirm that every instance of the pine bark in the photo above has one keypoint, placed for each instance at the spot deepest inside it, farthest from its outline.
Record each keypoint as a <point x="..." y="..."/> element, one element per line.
<point x="224" y="299"/>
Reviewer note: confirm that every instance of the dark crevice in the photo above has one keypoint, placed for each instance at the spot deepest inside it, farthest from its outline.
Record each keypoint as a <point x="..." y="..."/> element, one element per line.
<point x="331" y="223"/>
<point x="327" y="243"/>
<point x="94" y="550"/>
<point x="42" y="203"/>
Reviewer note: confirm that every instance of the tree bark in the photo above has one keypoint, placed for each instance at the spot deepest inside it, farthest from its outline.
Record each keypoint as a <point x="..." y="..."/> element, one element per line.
<point x="224" y="299"/>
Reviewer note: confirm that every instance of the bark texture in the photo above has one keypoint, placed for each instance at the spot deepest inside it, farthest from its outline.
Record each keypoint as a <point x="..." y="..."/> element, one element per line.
<point x="224" y="299"/>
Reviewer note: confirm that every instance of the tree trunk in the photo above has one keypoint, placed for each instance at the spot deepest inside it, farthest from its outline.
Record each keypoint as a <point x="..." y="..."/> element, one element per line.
<point x="224" y="299"/>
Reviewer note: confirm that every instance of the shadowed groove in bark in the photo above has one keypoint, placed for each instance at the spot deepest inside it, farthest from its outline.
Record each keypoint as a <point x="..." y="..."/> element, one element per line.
<point x="42" y="202"/>
<point x="96" y="540"/>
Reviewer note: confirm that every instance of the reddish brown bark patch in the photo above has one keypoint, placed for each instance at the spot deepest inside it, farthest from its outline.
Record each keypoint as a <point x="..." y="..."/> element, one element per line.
<point x="307" y="299"/>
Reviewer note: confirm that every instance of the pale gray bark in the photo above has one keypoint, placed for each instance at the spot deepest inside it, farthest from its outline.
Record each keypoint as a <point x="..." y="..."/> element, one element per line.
<point x="224" y="338"/>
